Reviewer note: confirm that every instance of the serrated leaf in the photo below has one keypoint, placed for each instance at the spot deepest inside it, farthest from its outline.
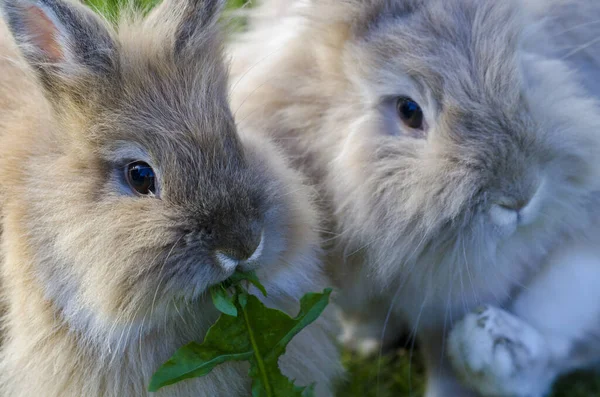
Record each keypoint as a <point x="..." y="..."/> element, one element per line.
<point x="259" y="335"/>
<point x="271" y="330"/>
<point x="222" y="301"/>
<point x="224" y="341"/>
<point x="311" y="307"/>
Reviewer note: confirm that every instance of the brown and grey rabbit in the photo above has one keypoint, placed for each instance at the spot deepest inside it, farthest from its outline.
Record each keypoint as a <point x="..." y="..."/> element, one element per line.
<point x="458" y="162"/>
<point x="126" y="193"/>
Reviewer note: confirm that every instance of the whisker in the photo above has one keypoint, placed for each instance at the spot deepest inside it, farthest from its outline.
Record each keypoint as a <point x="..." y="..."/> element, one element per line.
<point x="160" y="274"/>
<point x="581" y="25"/>
<point x="346" y="256"/>
<point x="468" y="269"/>
<point x="252" y="93"/>
<point x="140" y="334"/>
<point x="413" y="339"/>
<point x="128" y="328"/>
<point x="232" y="89"/>
<point x="386" y="322"/>
<point x="179" y="312"/>
<point x="581" y="48"/>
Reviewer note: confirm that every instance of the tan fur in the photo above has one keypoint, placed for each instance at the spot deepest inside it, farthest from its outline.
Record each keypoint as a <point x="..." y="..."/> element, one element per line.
<point x="90" y="311"/>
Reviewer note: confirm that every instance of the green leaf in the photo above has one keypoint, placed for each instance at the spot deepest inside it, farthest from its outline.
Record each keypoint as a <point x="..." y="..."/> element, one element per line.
<point x="237" y="277"/>
<point x="273" y="330"/>
<point x="222" y="301"/>
<point x="224" y="341"/>
<point x="259" y="335"/>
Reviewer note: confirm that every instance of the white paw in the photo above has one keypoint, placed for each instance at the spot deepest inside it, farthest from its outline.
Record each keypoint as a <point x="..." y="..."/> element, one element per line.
<point x="499" y="355"/>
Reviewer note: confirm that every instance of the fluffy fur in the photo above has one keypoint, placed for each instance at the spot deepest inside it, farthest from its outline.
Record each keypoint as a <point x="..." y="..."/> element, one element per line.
<point x="102" y="285"/>
<point x="574" y="31"/>
<point x="500" y="186"/>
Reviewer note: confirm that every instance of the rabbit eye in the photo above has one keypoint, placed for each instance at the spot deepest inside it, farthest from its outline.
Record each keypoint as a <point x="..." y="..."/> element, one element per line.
<point x="410" y="112"/>
<point x="140" y="177"/>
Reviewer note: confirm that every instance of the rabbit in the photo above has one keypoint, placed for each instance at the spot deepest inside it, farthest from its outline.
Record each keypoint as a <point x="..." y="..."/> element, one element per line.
<point x="455" y="155"/>
<point x="127" y="191"/>
<point x="541" y="317"/>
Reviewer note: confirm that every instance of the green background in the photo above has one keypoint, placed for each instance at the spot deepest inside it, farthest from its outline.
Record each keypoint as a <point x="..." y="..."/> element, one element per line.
<point x="398" y="373"/>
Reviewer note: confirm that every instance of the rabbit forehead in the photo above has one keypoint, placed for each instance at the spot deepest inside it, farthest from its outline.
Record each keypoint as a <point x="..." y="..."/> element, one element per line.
<point x="460" y="49"/>
<point x="176" y="112"/>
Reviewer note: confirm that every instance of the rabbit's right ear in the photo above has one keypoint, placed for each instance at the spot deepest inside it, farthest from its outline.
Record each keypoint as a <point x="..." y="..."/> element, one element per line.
<point x="62" y="40"/>
<point x="198" y="20"/>
<point x="191" y="24"/>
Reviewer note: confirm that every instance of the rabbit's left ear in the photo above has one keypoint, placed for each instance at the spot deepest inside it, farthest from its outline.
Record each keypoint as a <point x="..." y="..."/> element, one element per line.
<point x="61" y="39"/>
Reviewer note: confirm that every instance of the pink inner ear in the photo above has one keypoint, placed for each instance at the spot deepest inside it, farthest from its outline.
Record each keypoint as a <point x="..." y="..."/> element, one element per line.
<point x="43" y="33"/>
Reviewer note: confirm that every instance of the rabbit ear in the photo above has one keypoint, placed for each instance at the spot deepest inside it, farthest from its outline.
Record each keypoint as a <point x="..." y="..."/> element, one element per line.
<point x="197" y="21"/>
<point x="60" y="39"/>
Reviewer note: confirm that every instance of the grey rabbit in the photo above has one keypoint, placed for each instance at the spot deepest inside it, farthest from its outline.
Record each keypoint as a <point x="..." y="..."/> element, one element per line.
<point x="456" y="155"/>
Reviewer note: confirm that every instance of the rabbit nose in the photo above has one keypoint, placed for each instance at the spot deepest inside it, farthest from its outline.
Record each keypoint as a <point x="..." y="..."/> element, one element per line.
<point x="514" y="205"/>
<point x="510" y="212"/>
<point x="244" y="252"/>
<point x="507" y="214"/>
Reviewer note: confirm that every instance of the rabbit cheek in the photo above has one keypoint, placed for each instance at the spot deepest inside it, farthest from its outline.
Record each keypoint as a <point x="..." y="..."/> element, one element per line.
<point x="101" y="265"/>
<point x="357" y="148"/>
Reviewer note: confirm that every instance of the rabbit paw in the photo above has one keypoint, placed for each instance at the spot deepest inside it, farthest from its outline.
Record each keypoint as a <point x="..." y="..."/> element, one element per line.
<point x="499" y="355"/>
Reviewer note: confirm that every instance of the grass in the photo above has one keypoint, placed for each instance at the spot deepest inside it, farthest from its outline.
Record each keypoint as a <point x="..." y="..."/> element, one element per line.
<point x="399" y="375"/>
<point x="110" y="7"/>
<point x="395" y="374"/>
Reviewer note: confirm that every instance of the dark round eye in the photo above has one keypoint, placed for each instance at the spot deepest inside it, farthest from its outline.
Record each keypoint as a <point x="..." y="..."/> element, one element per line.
<point x="140" y="177"/>
<point x="410" y="112"/>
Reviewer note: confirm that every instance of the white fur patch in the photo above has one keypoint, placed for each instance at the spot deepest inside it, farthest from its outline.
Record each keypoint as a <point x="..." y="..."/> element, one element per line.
<point x="499" y="355"/>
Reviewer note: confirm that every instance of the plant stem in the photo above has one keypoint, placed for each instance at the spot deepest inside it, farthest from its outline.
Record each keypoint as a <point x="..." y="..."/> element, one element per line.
<point x="259" y="359"/>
